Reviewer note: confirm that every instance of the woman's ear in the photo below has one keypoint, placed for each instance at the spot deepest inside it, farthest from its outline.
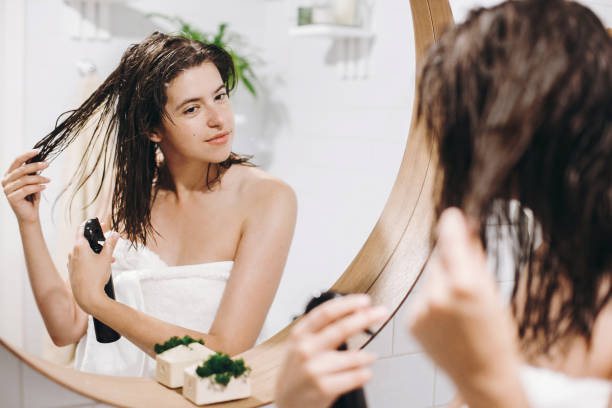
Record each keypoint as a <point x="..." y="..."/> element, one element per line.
<point x="155" y="136"/>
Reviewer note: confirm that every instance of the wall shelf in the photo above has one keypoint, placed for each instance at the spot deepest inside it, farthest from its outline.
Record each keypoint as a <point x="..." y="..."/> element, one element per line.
<point x="353" y="46"/>
<point x="330" y="30"/>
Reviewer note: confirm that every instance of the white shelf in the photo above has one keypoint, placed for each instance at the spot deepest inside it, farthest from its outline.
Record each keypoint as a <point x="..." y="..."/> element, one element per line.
<point x="330" y="30"/>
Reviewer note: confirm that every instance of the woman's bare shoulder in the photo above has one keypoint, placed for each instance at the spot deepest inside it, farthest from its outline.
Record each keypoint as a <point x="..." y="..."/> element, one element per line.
<point x="254" y="184"/>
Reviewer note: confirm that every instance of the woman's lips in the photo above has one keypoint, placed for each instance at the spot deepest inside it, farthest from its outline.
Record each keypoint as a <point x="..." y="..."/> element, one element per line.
<point x="220" y="139"/>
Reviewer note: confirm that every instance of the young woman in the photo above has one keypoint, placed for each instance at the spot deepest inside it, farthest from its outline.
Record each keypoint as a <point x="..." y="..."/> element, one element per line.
<point x="518" y="100"/>
<point x="200" y="235"/>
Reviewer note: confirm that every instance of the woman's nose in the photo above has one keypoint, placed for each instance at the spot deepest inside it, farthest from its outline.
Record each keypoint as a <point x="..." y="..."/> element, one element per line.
<point x="214" y="118"/>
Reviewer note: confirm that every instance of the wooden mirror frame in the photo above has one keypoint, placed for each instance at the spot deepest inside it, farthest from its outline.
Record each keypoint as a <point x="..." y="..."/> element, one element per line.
<point x="387" y="266"/>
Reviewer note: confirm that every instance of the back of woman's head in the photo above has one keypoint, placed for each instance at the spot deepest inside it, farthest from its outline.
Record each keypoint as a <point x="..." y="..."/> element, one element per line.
<point x="126" y="108"/>
<point x="518" y="101"/>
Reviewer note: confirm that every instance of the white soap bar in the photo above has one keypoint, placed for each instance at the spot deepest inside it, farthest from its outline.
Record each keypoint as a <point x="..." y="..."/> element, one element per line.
<point x="203" y="391"/>
<point x="171" y="363"/>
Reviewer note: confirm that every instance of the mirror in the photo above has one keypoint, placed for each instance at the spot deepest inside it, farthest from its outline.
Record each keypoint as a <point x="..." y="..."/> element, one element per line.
<point x="337" y="138"/>
<point x="396" y="250"/>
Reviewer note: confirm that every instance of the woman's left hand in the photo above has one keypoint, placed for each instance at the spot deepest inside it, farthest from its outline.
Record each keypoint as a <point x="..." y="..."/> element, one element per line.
<point x="89" y="271"/>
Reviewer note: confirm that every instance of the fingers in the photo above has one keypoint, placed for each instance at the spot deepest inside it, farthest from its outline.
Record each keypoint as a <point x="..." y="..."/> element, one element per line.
<point x="25" y="191"/>
<point x="80" y="233"/>
<point x="338" y="332"/>
<point x="335" y="362"/>
<point x="109" y="245"/>
<point x="330" y="311"/>
<point x="344" y="382"/>
<point x="436" y="288"/>
<point x="24" y="170"/>
<point x="105" y="226"/>
<point x="80" y="242"/>
<point x="453" y="239"/>
<point x="24" y="181"/>
<point x="22" y="159"/>
<point x="459" y="249"/>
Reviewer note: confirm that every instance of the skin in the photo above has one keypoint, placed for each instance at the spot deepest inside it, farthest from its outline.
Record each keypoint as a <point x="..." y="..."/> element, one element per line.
<point x="314" y="373"/>
<point x="248" y="218"/>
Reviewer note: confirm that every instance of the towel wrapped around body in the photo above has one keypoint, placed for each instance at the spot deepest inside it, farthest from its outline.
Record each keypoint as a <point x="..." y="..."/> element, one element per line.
<point x="187" y="296"/>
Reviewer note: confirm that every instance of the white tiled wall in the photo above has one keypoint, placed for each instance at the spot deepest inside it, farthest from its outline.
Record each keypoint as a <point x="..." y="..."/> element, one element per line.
<point x="22" y="387"/>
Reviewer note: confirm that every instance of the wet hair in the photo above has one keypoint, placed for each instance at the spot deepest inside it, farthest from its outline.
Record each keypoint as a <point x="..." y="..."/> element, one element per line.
<point x="125" y="109"/>
<point x="518" y="103"/>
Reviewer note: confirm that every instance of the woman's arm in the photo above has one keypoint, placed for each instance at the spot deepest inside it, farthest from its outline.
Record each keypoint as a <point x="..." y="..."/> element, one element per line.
<point x="66" y="323"/>
<point x="258" y="266"/>
<point x="64" y="320"/>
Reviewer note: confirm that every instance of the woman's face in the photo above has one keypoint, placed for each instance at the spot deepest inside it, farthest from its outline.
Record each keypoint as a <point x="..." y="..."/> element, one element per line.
<point x="200" y="122"/>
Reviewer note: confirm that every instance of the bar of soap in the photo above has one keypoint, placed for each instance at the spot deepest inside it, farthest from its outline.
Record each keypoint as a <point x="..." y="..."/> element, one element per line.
<point x="171" y="363"/>
<point x="202" y="391"/>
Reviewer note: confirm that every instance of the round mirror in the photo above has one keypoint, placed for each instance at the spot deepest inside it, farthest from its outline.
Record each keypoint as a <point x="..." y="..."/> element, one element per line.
<point x="331" y="118"/>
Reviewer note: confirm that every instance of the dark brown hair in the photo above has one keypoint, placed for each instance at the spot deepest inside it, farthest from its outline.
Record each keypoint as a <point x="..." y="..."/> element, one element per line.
<point x="518" y="101"/>
<point x="126" y="108"/>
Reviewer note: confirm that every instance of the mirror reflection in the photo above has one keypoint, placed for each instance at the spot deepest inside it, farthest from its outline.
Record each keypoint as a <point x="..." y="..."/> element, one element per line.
<point x="326" y="138"/>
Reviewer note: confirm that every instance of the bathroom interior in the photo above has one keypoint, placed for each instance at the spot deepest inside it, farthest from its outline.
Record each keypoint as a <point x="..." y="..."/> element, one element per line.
<point x="329" y="113"/>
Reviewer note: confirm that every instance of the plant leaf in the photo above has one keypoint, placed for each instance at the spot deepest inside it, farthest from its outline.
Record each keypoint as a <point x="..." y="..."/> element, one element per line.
<point x="249" y="85"/>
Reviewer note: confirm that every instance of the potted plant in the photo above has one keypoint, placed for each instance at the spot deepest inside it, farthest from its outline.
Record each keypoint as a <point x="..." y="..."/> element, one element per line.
<point x="222" y="38"/>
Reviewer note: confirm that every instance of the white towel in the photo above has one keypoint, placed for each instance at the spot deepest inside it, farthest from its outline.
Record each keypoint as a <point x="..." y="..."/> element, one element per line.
<point x="545" y="388"/>
<point x="187" y="296"/>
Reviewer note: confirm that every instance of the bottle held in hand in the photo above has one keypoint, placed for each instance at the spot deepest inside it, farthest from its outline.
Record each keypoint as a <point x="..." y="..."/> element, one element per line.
<point x="93" y="233"/>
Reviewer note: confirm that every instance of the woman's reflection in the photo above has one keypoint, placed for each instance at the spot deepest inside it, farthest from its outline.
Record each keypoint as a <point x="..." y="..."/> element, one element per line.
<point x="201" y="235"/>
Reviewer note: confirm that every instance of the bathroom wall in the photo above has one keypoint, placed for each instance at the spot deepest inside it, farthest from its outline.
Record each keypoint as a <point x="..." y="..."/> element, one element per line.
<point x="367" y="120"/>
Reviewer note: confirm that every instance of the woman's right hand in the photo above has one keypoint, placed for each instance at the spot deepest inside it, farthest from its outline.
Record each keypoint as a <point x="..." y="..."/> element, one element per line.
<point x="20" y="181"/>
<point x="314" y="374"/>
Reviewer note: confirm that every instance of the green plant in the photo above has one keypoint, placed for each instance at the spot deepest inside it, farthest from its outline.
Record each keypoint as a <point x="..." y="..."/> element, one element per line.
<point x="222" y="367"/>
<point x="222" y="38"/>
<point x="175" y="341"/>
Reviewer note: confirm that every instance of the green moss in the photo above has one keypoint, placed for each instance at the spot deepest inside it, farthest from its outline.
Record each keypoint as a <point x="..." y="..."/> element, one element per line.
<point x="223" y="368"/>
<point x="175" y="341"/>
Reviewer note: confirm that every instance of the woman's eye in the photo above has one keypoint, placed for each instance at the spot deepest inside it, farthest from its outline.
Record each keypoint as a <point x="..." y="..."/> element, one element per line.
<point x="191" y="109"/>
<point x="221" y="96"/>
